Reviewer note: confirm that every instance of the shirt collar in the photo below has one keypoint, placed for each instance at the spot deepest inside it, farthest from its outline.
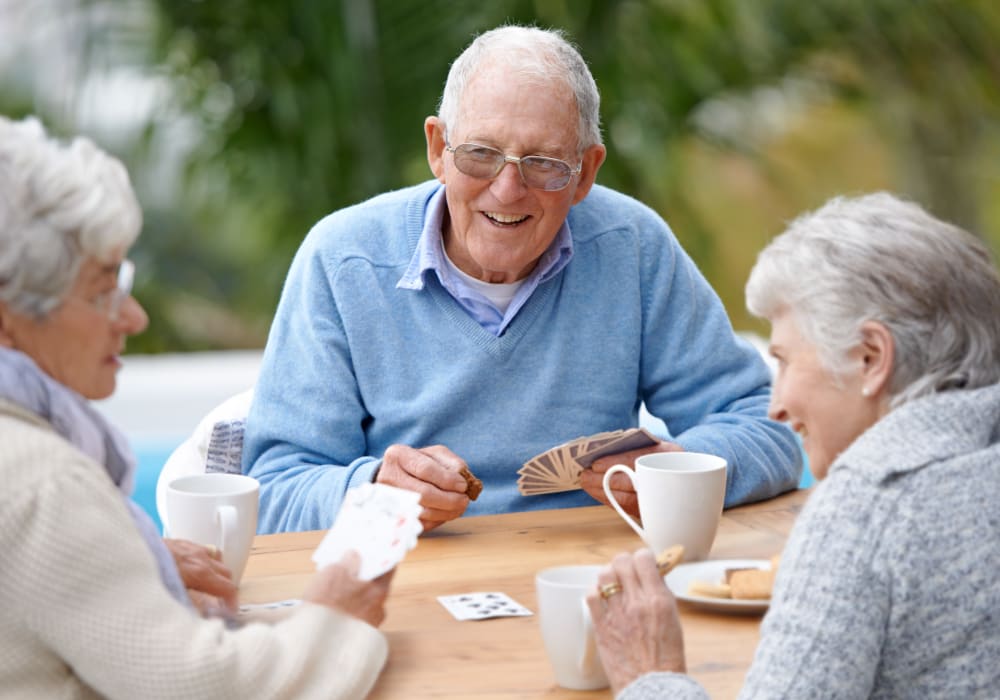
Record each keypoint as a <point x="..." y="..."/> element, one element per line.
<point x="429" y="253"/>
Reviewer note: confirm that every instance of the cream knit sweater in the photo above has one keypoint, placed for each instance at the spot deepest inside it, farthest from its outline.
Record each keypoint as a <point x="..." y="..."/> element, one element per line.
<point x="84" y="613"/>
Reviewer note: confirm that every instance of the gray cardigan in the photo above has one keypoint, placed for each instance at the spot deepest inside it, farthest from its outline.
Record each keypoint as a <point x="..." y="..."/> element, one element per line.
<point x="889" y="585"/>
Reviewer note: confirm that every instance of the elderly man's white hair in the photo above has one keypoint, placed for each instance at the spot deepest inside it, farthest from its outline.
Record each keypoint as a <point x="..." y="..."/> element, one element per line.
<point x="879" y="258"/>
<point x="542" y="53"/>
<point x="59" y="204"/>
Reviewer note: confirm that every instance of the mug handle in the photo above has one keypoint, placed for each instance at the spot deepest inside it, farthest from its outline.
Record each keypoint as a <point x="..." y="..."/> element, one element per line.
<point x="607" y="492"/>
<point x="225" y="517"/>
<point x="589" y="660"/>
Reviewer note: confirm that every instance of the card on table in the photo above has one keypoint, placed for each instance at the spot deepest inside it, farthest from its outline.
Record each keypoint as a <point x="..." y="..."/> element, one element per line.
<point x="558" y="469"/>
<point x="379" y="522"/>
<point x="482" y="605"/>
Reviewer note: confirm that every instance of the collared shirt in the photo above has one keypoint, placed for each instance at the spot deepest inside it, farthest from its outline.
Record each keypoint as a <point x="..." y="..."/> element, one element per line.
<point x="430" y="256"/>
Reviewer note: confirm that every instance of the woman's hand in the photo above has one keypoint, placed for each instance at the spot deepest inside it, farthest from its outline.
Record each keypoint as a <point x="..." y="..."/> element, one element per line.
<point x="338" y="586"/>
<point x="209" y="582"/>
<point x="637" y="629"/>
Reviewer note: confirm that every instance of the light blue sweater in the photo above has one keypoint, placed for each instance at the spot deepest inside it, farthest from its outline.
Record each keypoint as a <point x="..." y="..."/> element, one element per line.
<point x="354" y="364"/>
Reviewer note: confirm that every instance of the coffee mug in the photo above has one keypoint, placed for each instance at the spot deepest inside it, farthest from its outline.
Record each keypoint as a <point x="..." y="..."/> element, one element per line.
<point x="218" y="510"/>
<point x="680" y="499"/>
<point x="566" y="626"/>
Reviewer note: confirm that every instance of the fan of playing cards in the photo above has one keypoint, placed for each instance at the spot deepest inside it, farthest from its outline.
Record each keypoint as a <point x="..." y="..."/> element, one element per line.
<point x="379" y="522"/>
<point x="558" y="469"/>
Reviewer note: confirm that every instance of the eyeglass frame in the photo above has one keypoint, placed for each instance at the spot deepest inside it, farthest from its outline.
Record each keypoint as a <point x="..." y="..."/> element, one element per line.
<point x="501" y="164"/>
<point x="109" y="303"/>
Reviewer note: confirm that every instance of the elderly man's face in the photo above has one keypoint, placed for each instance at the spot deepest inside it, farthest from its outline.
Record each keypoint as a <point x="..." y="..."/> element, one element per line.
<point x="497" y="229"/>
<point x="77" y="344"/>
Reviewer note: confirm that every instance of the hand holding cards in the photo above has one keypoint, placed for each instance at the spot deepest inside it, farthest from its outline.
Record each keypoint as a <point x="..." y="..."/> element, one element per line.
<point x="381" y="523"/>
<point x="558" y="469"/>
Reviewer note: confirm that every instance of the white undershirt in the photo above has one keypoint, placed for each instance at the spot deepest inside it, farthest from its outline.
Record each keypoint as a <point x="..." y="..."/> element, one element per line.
<point x="500" y="295"/>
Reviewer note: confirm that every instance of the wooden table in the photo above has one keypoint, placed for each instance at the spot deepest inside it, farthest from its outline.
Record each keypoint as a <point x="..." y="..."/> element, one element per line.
<point x="434" y="655"/>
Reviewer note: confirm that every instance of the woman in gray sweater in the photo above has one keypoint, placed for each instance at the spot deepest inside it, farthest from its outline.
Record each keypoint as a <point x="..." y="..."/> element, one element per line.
<point x="886" y="331"/>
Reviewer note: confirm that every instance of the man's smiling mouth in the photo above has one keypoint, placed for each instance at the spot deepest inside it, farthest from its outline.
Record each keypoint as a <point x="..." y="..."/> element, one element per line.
<point x="504" y="219"/>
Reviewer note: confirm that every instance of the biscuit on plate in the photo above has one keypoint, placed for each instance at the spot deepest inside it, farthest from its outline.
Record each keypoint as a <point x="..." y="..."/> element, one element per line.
<point x="704" y="589"/>
<point x="752" y="584"/>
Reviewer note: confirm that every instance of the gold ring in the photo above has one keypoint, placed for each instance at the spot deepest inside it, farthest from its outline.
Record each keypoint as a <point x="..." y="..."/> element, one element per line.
<point x="610" y="589"/>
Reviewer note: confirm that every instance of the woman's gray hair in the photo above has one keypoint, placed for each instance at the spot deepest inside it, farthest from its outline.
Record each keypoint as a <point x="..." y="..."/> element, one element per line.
<point x="59" y="204"/>
<point x="879" y="258"/>
<point x="542" y="53"/>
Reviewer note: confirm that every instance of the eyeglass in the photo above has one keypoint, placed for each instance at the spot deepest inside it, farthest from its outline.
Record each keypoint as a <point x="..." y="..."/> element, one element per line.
<point x="539" y="172"/>
<point x="110" y="302"/>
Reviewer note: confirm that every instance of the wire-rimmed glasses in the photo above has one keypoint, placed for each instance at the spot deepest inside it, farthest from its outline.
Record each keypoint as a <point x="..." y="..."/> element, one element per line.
<point x="538" y="172"/>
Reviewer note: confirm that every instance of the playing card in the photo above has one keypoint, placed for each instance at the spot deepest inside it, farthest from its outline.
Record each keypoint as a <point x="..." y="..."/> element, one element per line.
<point x="558" y="469"/>
<point x="379" y="522"/>
<point x="270" y="612"/>
<point x="273" y="605"/>
<point x="628" y="440"/>
<point x="482" y="606"/>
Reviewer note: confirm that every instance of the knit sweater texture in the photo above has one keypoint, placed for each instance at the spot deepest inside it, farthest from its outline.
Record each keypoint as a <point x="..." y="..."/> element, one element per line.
<point x="86" y="616"/>
<point x="888" y="586"/>
<point x="355" y="364"/>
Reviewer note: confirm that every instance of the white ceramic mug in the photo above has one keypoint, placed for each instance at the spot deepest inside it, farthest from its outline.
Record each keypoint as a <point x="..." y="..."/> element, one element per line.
<point x="680" y="499"/>
<point x="215" y="509"/>
<point x="566" y="627"/>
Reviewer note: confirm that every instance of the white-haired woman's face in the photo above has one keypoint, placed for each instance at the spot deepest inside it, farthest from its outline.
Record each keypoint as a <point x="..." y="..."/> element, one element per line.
<point x="828" y="414"/>
<point x="79" y="343"/>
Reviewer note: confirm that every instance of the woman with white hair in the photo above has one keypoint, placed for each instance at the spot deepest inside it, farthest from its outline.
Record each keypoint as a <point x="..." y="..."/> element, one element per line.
<point x="94" y="603"/>
<point x="886" y="331"/>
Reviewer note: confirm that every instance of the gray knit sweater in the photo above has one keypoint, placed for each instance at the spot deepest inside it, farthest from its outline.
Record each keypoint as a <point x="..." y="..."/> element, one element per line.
<point x="890" y="582"/>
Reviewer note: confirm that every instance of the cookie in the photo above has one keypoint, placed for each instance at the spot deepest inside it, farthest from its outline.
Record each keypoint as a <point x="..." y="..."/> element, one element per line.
<point x="474" y="486"/>
<point x="704" y="589"/>
<point x="752" y="584"/>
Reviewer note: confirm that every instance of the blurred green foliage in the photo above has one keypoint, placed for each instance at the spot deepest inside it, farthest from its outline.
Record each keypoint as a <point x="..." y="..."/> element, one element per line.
<point x="728" y="117"/>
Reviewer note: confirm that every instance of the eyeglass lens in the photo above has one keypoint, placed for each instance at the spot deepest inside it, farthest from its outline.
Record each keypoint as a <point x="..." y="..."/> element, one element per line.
<point x="538" y="172"/>
<point x="126" y="276"/>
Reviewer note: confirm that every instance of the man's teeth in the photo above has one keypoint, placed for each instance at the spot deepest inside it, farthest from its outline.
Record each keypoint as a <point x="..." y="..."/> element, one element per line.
<point x="505" y="218"/>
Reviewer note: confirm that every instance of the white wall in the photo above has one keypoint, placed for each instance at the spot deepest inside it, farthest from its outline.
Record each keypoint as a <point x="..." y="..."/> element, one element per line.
<point x="161" y="398"/>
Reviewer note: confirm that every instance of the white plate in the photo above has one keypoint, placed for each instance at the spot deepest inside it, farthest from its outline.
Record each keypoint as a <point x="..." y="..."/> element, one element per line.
<point x="714" y="571"/>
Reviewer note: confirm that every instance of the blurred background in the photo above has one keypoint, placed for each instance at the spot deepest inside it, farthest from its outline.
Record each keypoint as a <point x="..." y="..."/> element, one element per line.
<point x="243" y="122"/>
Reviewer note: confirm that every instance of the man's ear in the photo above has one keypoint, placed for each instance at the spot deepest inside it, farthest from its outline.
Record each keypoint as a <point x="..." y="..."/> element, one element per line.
<point x="878" y="356"/>
<point x="434" y="133"/>
<point x="593" y="157"/>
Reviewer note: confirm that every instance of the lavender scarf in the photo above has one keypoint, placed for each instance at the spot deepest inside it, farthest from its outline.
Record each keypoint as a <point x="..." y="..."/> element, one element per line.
<point x="22" y="382"/>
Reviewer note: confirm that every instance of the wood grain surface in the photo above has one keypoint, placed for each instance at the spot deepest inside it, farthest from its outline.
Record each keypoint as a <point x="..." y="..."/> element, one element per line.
<point x="432" y="655"/>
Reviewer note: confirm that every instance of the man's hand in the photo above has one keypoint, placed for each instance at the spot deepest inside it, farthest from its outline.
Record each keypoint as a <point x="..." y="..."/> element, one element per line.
<point x="208" y="580"/>
<point x="592" y="479"/>
<point x="433" y="472"/>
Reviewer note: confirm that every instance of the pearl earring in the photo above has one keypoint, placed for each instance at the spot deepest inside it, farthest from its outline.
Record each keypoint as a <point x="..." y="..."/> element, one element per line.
<point x="865" y="391"/>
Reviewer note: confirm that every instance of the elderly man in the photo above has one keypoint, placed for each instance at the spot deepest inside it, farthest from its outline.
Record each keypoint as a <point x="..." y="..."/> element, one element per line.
<point x="503" y="308"/>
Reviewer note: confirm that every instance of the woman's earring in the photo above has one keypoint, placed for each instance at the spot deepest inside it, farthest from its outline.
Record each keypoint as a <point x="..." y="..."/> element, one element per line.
<point x="865" y="391"/>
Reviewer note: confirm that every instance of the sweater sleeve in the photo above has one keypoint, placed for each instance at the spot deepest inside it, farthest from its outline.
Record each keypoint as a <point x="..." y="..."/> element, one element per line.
<point x="710" y="387"/>
<point x="89" y="597"/>
<point x="304" y="439"/>
<point x="830" y="608"/>
<point x="658" y="686"/>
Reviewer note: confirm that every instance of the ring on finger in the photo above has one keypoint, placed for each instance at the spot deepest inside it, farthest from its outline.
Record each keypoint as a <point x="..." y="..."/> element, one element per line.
<point x="610" y="589"/>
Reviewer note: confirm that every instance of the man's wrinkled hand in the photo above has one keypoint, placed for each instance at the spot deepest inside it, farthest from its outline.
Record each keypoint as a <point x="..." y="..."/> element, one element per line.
<point x="592" y="479"/>
<point x="433" y="472"/>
